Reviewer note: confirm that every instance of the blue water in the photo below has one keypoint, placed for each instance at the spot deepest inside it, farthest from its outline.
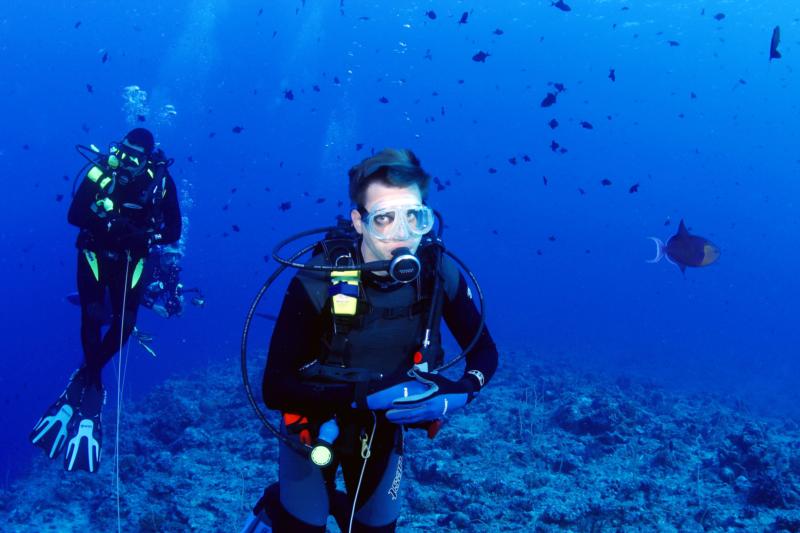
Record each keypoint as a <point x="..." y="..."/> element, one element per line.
<point x="726" y="161"/>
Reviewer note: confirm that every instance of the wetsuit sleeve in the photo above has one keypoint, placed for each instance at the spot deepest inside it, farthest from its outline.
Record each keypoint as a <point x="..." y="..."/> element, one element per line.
<point x="462" y="319"/>
<point x="296" y="342"/>
<point x="80" y="213"/>
<point x="172" y="225"/>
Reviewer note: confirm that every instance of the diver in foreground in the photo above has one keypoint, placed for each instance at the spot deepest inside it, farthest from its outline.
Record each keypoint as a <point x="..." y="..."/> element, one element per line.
<point x="126" y="203"/>
<point x="354" y="351"/>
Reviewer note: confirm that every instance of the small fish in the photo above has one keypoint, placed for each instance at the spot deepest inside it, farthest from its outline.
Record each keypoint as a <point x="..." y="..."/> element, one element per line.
<point x="634" y="188"/>
<point x="260" y="12"/>
<point x="77" y="25"/>
<point x="383" y="100"/>
<point x="692" y="95"/>
<point x="554" y="146"/>
<point x="612" y="74"/>
<point x="773" y="45"/>
<point x="141" y="118"/>
<point x="492" y="170"/>
<point x="553" y="124"/>
<point x="288" y="94"/>
<point x="561" y="5"/>
<point x="686" y="250"/>
<point x="580" y="190"/>
<point x="548" y="100"/>
<point x="719" y="16"/>
<point x="559" y="87"/>
<point x="237" y="129"/>
<point x="285" y="206"/>
<point x="320" y="200"/>
<point x="105" y="57"/>
<point x="59" y="197"/>
<point x="544" y="180"/>
<point x="498" y="31"/>
<point x="315" y="88"/>
<point x="586" y="125"/>
<point x="605" y="182"/>
<point x="431" y="14"/>
<point x="214" y="133"/>
<point x="673" y="43"/>
<point x="235" y="228"/>
<point x="480" y="57"/>
<point x="526" y="158"/>
<point x="464" y="17"/>
<point x="89" y="88"/>
<point x="512" y="160"/>
<point x="552" y="238"/>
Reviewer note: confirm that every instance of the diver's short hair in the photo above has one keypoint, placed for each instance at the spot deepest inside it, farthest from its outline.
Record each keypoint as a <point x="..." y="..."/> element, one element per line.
<point x="392" y="167"/>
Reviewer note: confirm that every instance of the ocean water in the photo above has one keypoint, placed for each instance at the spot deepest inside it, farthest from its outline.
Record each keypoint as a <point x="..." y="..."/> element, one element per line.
<point x="265" y="106"/>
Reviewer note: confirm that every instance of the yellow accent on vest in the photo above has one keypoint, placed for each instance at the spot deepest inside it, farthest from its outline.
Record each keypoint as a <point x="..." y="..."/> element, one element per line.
<point x="92" y="260"/>
<point x="137" y="273"/>
<point x="343" y="304"/>
<point x="94" y="173"/>
<point x="150" y="173"/>
<point x="105" y="181"/>
<point x="106" y="203"/>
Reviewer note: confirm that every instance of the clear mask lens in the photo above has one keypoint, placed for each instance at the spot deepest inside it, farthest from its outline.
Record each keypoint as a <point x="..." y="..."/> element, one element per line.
<point x="399" y="222"/>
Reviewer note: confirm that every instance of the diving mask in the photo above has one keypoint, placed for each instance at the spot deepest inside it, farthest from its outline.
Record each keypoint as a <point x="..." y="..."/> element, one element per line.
<point x="127" y="157"/>
<point x="398" y="222"/>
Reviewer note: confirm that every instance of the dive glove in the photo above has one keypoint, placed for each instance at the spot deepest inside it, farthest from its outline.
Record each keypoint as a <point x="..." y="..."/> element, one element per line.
<point x="384" y="398"/>
<point x="440" y="396"/>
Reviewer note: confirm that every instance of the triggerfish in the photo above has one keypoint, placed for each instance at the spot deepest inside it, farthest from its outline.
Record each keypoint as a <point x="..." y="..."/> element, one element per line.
<point x="686" y="250"/>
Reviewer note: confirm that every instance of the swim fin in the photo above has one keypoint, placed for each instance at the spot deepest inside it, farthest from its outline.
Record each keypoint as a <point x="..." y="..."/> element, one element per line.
<point x="50" y="432"/>
<point x="84" y="433"/>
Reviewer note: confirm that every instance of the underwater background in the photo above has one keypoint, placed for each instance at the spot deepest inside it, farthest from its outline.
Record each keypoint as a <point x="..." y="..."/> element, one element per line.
<point x="266" y="105"/>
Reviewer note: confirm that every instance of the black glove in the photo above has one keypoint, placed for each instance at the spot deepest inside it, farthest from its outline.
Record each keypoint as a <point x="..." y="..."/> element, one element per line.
<point x="127" y="236"/>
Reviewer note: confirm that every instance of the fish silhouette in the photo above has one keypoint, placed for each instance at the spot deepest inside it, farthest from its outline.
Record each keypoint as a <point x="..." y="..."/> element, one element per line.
<point x="686" y="250"/>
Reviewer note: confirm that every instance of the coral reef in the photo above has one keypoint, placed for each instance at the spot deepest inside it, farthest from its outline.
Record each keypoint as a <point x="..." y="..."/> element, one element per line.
<point x="544" y="448"/>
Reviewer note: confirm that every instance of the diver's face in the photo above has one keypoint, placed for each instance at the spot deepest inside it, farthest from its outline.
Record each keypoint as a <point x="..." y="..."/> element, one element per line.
<point x="380" y="195"/>
<point x="132" y="158"/>
<point x="170" y="260"/>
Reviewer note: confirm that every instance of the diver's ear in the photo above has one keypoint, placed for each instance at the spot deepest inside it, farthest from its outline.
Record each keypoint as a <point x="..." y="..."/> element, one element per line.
<point x="358" y="224"/>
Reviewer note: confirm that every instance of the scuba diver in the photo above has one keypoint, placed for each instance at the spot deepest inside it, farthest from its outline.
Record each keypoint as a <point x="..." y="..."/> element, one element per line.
<point x="163" y="290"/>
<point x="126" y="203"/>
<point x="355" y="353"/>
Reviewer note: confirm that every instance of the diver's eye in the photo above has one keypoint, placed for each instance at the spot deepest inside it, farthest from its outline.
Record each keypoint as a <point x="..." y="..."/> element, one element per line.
<point x="384" y="219"/>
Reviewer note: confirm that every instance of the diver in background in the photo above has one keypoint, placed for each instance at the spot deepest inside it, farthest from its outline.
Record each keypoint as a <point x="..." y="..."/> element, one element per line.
<point x="126" y="203"/>
<point x="163" y="290"/>
<point x="347" y="353"/>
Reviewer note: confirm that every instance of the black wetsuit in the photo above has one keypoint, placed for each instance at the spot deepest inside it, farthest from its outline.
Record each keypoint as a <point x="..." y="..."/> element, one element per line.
<point x="378" y="342"/>
<point x="112" y="246"/>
